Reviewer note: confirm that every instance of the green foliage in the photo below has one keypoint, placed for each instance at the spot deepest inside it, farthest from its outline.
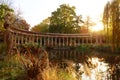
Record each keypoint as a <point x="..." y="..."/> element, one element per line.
<point x="111" y="20"/>
<point x="98" y="48"/>
<point x="115" y="18"/>
<point x="3" y="48"/>
<point x="64" y="75"/>
<point x="117" y="50"/>
<point x="10" y="68"/>
<point x="64" y="20"/>
<point x="3" y="51"/>
<point x="103" y="48"/>
<point x="5" y="11"/>
<point x="83" y="48"/>
<point x="42" y="27"/>
<point x="7" y="16"/>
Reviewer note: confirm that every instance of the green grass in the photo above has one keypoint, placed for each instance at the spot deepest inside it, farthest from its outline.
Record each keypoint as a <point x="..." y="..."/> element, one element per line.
<point x="10" y="68"/>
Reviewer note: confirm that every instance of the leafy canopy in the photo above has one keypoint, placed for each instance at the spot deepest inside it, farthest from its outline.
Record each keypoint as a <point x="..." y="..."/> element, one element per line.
<point x="64" y="20"/>
<point x="5" y="12"/>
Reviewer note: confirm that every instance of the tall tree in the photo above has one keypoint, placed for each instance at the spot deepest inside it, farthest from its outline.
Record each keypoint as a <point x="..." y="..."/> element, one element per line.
<point x="106" y="21"/>
<point x="88" y="23"/>
<point x="115" y="22"/>
<point x="64" y="20"/>
<point x="111" y="17"/>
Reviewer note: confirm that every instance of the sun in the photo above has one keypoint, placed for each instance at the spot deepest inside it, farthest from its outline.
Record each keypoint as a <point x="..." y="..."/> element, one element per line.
<point x="98" y="27"/>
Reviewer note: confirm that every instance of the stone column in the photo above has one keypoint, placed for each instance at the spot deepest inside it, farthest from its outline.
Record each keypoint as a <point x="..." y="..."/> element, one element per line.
<point x="59" y="42"/>
<point x="96" y="40"/>
<point x="12" y="39"/>
<point x="17" y="39"/>
<point x="86" y="40"/>
<point x="56" y="41"/>
<point x="100" y="40"/>
<point x="48" y="42"/>
<point x="67" y="41"/>
<point x="26" y="39"/>
<point x="91" y="38"/>
<point x="33" y="39"/>
<point x="40" y="40"/>
<point x="29" y="38"/>
<point x="70" y="41"/>
<point x="52" y="41"/>
<point x="63" y="44"/>
<point x="79" y="41"/>
<point x="75" y="41"/>
<point x="37" y="39"/>
<point x="21" y="39"/>
<point x="44" y="40"/>
<point x="82" y="40"/>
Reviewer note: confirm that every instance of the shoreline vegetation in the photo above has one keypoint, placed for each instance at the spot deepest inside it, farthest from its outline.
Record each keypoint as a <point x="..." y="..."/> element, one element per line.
<point x="31" y="66"/>
<point x="31" y="62"/>
<point x="81" y="48"/>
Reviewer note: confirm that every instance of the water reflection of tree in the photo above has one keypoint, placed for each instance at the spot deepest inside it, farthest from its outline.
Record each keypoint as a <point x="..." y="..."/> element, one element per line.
<point x="113" y="64"/>
<point x="113" y="71"/>
<point x="114" y="67"/>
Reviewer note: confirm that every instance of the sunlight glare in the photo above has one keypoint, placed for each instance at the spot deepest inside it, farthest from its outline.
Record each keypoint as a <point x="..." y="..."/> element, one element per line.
<point x="97" y="27"/>
<point x="98" y="72"/>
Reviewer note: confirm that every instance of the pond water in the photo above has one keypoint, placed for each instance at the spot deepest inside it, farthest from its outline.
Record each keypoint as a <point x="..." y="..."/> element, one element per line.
<point x="90" y="66"/>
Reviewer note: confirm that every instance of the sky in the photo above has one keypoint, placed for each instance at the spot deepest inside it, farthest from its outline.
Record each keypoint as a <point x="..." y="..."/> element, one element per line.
<point x="34" y="11"/>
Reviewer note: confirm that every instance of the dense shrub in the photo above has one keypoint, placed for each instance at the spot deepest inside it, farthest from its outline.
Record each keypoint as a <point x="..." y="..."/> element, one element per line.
<point x="3" y="51"/>
<point x="10" y="68"/>
<point x="38" y="67"/>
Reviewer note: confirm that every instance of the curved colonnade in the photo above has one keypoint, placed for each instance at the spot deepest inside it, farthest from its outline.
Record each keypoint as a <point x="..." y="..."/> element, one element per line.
<point x="17" y="37"/>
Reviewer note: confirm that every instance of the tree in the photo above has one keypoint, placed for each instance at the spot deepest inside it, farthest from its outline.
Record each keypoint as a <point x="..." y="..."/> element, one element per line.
<point x="87" y="24"/>
<point x="8" y="16"/>
<point x="111" y="17"/>
<point x="64" y="20"/>
<point x="20" y="24"/>
<point x="42" y="27"/>
<point x="115" y="22"/>
<point x="106" y="21"/>
<point x="5" y="15"/>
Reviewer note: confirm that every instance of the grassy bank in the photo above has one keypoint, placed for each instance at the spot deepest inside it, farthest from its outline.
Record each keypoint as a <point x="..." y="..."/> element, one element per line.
<point x="30" y="62"/>
<point x="25" y="65"/>
<point x="99" y="48"/>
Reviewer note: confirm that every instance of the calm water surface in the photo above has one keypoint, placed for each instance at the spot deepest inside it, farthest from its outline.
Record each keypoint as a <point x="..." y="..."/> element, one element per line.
<point x="90" y="66"/>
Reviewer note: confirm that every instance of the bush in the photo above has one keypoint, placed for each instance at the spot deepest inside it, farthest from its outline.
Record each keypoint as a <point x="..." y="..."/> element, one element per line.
<point x="10" y="68"/>
<point x="37" y="67"/>
<point x="3" y="49"/>
<point x="103" y="48"/>
<point x="83" y="48"/>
